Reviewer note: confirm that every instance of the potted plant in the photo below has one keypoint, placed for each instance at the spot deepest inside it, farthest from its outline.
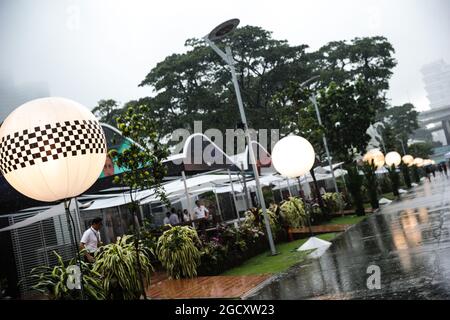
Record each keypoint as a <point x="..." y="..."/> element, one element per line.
<point x="355" y="182"/>
<point x="177" y="250"/>
<point x="117" y="265"/>
<point x="294" y="213"/>
<point x="54" y="281"/>
<point x="369" y="169"/>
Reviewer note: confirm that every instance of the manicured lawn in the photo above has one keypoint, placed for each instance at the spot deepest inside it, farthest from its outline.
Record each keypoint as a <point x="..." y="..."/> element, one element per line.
<point x="264" y="263"/>
<point x="354" y="219"/>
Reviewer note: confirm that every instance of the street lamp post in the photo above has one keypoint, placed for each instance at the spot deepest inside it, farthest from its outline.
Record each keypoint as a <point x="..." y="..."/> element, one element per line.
<point x="219" y="32"/>
<point x="313" y="99"/>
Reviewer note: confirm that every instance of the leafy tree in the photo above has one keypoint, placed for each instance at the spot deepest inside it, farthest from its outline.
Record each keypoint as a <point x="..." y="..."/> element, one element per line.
<point x="369" y="58"/>
<point x="421" y="150"/>
<point x="354" y="77"/>
<point x="107" y="111"/>
<point x="400" y="123"/>
<point x="347" y="110"/>
<point x="141" y="161"/>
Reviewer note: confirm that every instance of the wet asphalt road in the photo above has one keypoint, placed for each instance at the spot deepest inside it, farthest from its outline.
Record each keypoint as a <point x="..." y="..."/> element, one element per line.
<point x="409" y="240"/>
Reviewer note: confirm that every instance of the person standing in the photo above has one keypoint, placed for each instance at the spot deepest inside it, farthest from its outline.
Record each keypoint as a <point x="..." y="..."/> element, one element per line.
<point x="444" y="167"/>
<point x="91" y="240"/>
<point x="186" y="216"/>
<point x="428" y="173"/>
<point x="180" y="215"/>
<point x="167" y="218"/>
<point x="439" y="166"/>
<point x="173" y="218"/>
<point x="201" y="213"/>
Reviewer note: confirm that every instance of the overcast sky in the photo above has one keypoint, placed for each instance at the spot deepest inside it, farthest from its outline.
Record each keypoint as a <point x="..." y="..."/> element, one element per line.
<point x="90" y="50"/>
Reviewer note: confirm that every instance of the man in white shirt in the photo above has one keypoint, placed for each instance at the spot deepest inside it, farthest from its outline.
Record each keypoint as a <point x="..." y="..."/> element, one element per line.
<point x="166" y="219"/>
<point x="173" y="218"/>
<point x="91" y="240"/>
<point x="202" y="213"/>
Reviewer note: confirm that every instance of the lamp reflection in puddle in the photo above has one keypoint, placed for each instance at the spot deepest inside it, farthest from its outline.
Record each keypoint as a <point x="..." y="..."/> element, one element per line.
<point x="423" y="215"/>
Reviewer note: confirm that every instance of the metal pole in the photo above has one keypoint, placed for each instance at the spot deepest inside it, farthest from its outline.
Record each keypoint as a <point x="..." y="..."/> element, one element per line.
<point x="186" y="192"/>
<point x="75" y="244"/>
<point x="403" y="146"/>
<point x="78" y="217"/>
<point x="325" y="143"/>
<point x="218" y="204"/>
<point x="234" y="197"/>
<point x="343" y="178"/>
<point x="301" y="192"/>
<point x="246" y="192"/>
<point x="249" y="143"/>
<point x="281" y="191"/>
<point x="289" y="187"/>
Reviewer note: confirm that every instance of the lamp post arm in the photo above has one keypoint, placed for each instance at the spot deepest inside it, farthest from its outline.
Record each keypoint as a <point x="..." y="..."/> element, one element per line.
<point x="313" y="99"/>
<point x="217" y="50"/>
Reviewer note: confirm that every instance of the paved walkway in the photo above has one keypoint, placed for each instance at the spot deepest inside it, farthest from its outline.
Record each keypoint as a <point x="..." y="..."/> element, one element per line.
<point x="408" y="240"/>
<point x="217" y="287"/>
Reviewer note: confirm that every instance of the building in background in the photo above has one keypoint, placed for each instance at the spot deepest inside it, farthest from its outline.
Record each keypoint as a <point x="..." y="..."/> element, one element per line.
<point x="436" y="76"/>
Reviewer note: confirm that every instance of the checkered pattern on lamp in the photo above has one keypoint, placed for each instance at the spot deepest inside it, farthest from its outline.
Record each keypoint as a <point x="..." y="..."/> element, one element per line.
<point x="50" y="142"/>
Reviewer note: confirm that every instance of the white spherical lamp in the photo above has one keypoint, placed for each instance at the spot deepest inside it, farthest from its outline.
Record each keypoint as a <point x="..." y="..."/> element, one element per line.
<point x="418" y="162"/>
<point x="51" y="149"/>
<point x="393" y="158"/>
<point x="293" y="156"/>
<point x="408" y="159"/>
<point x="427" y="162"/>
<point x="375" y="157"/>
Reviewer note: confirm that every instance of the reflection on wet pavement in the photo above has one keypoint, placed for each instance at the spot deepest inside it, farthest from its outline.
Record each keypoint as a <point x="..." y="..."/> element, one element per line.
<point x="409" y="240"/>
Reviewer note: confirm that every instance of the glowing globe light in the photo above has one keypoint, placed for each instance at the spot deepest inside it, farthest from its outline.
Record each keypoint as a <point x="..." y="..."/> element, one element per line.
<point x="375" y="157"/>
<point x="293" y="156"/>
<point x="51" y="149"/>
<point x="427" y="162"/>
<point x="418" y="162"/>
<point x="408" y="160"/>
<point x="393" y="158"/>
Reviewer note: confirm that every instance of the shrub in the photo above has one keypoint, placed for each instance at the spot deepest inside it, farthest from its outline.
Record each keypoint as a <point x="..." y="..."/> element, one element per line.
<point x="229" y="247"/>
<point x="293" y="213"/>
<point x="177" y="250"/>
<point x="117" y="263"/>
<point x="254" y="218"/>
<point x="385" y="184"/>
<point x="213" y="258"/>
<point x="333" y="201"/>
<point x="52" y="281"/>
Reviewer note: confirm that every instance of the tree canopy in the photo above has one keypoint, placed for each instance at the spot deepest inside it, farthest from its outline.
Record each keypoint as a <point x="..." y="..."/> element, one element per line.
<point x="196" y="85"/>
<point x="421" y="150"/>
<point x="351" y="79"/>
<point x="107" y="111"/>
<point x="400" y="123"/>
